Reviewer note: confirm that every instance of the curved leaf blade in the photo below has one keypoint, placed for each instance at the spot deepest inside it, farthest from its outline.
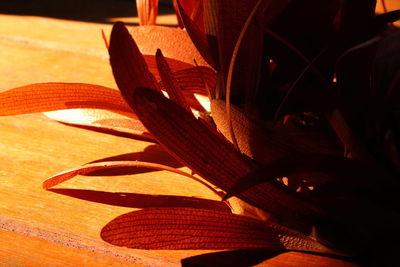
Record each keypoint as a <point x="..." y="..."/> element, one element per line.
<point x="170" y="83"/>
<point x="44" y="97"/>
<point x="127" y="62"/>
<point x="213" y="158"/>
<point x="88" y="168"/>
<point x="188" y="228"/>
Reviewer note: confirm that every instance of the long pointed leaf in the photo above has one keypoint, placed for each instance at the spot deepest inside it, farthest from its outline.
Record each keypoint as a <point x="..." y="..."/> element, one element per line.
<point x="190" y="80"/>
<point x="212" y="157"/>
<point x="170" y="84"/>
<point x="173" y="42"/>
<point x="88" y="168"/>
<point x="43" y="97"/>
<point x="269" y="142"/>
<point x="186" y="228"/>
<point x="128" y="64"/>
<point x="198" y="37"/>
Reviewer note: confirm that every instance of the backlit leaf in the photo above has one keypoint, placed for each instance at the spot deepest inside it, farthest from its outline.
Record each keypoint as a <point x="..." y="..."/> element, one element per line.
<point x="198" y="37"/>
<point x="128" y="64"/>
<point x="169" y="82"/>
<point x="43" y="97"/>
<point x="186" y="228"/>
<point x="213" y="158"/>
<point x="88" y="168"/>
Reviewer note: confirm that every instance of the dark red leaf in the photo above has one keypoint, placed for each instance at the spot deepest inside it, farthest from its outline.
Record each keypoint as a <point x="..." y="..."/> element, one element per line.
<point x="128" y="64"/>
<point x="92" y="167"/>
<point x="198" y="37"/>
<point x="192" y="81"/>
<point x="186" y="228"/>
<point x="266" y="141"/>
<point x="230" y="17"/>
<point x="169" y="82"/>
<point x="208" y="155"/>
<point x="173" y="42"/>
<point x="193" y="8"/>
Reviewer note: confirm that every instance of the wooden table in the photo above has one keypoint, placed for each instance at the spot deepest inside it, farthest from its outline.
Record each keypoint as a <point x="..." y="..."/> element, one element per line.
<point x="39" y="227"/>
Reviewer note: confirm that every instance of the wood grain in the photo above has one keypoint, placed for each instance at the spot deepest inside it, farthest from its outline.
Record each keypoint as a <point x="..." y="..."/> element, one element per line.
<point x="33" y="148"/>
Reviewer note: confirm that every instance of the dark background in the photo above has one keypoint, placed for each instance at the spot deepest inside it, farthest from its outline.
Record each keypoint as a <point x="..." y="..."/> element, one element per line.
<point x="82" y="10"/>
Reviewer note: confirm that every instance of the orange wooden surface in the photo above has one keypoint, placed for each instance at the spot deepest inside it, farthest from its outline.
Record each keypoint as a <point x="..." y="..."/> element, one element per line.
<point x="38" y="226"/>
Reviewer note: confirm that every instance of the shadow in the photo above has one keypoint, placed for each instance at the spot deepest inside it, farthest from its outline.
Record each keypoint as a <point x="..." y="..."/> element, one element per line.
<point x="132" y="200"/>
<point x="112" y="132"/>
<point x="240" y="258"/>
<point x="152" y="153"/>
<point x="98" y="11"/>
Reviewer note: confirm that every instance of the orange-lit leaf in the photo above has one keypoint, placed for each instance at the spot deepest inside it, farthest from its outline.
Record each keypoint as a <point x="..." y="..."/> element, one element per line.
<point x="175" y="65"/>
<point x="192" y="81"/>
<point x="169" y="82"/>
<point x="208" y="155"/>
<point x="186" y="228"/>
<point x="88" y="168"/>
<point x="193" y="8"/>
<point x="198" y="37"/>
<point x="128" y="64"/>
<point x="55" y="96"/>
<point x="173" y="42"/>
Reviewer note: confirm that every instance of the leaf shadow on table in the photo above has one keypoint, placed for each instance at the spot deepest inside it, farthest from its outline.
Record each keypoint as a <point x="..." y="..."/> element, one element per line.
<point x="133" y="200"/>
<point x="110" y="132"/>
<point x="241" y="258"/>
<point x="152" y="153"/>
<point x="99" y="11"/>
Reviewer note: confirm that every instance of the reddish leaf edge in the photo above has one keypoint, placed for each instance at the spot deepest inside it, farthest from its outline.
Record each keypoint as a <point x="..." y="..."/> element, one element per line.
<point x="192" y="228"/>
<point x="88" y="168"/>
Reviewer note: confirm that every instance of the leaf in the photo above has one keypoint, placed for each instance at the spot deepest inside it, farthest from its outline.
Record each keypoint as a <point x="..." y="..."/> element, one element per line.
<point x="43" y="97"/>
<point x="186" y="228"/>
<point x="193" y="8"/>
<point x="88" y="168"/>
<point x="265" y="141"/>
<point x="191" y="81"/>
<point x="128" y="64"/>
<point x="231" y="17"/>
<point x="175" y="65"/>
<point x="210" y="156"/>
<point x="169" y="82"/>
<point x="198" y="38"/>
<point x="147" y="11"/>
<point x="173" y="42"/>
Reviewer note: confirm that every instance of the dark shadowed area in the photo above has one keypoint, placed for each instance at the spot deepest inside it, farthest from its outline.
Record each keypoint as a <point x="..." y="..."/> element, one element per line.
<point x="98" y="11"/>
